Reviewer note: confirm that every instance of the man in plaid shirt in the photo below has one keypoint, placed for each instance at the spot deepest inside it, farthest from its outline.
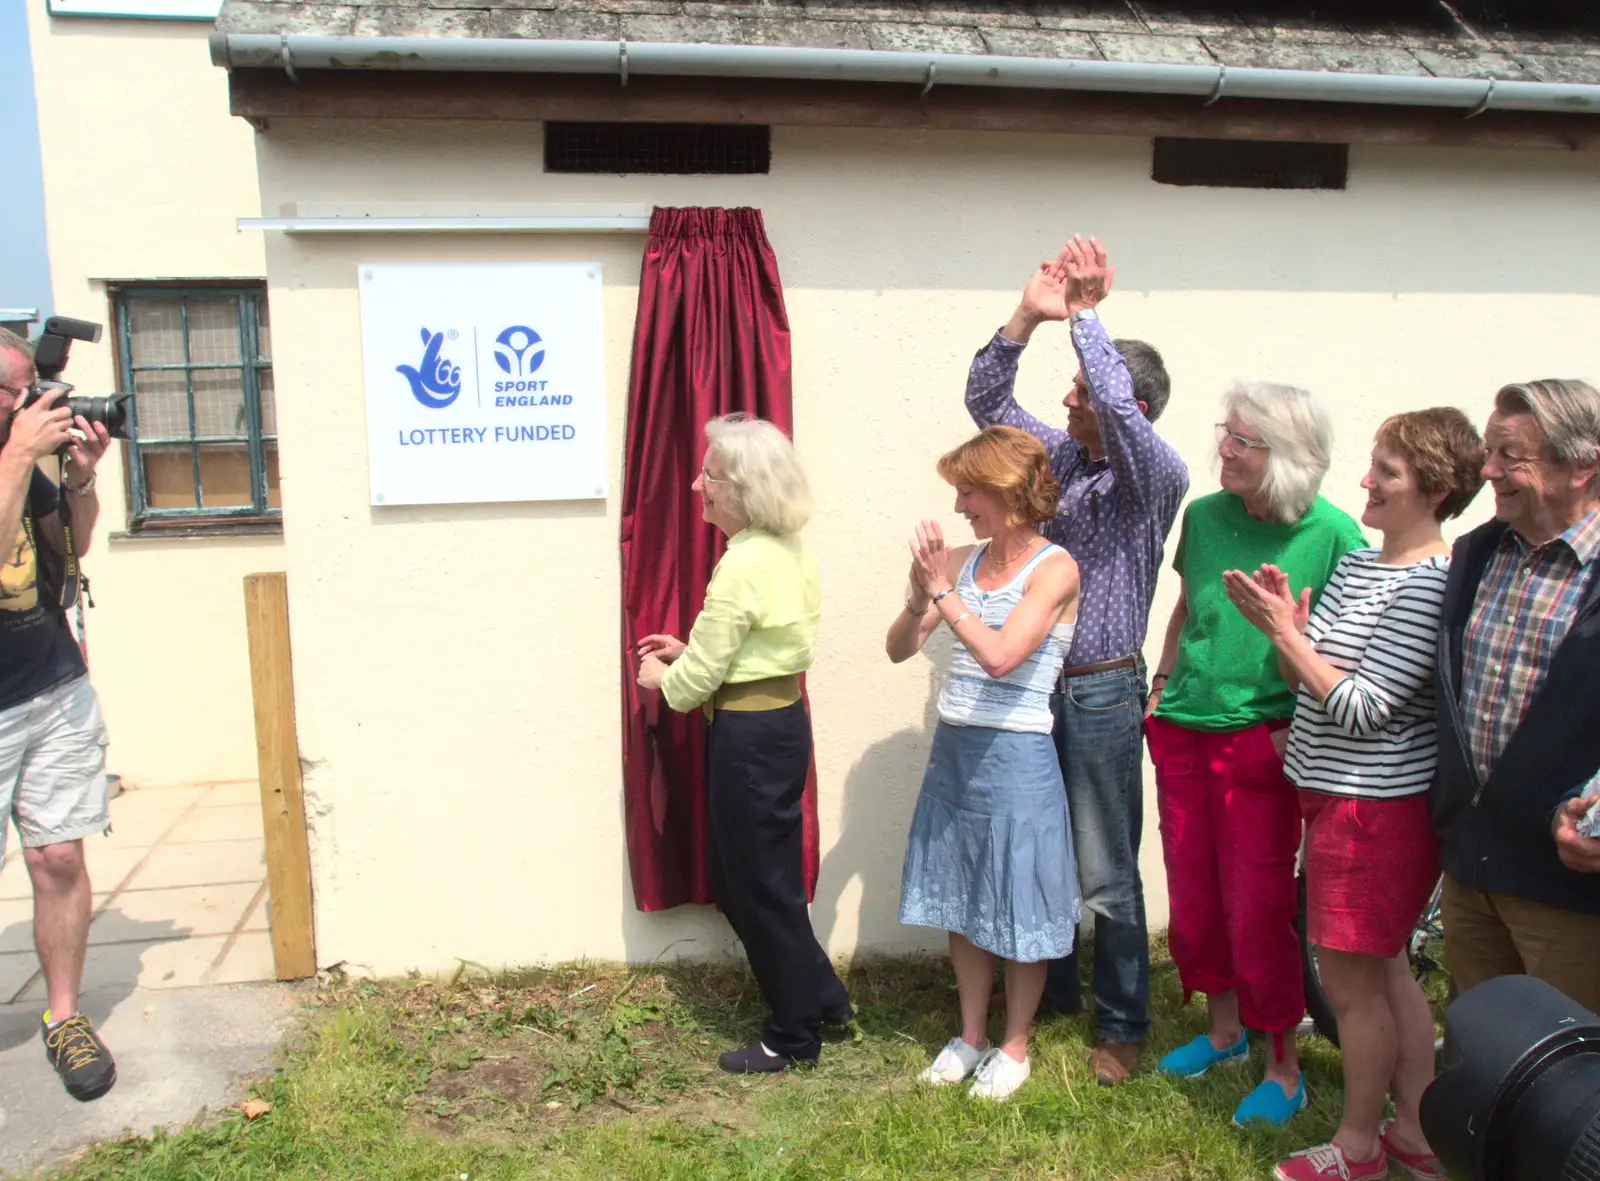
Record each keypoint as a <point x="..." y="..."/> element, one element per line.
<point x="1517" y="725"/>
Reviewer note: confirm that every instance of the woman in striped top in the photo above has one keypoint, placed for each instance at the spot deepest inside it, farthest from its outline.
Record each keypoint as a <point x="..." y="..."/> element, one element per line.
<point x="1362" y="751"/>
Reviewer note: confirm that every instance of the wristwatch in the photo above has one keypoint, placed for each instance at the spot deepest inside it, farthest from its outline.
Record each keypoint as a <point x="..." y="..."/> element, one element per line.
<point x="1084" y="314"/>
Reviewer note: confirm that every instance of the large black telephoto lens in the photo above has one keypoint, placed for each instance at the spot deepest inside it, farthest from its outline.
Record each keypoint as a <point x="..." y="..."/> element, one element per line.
<point x="112" y="412"/>
<point x="1518" y="1095"/>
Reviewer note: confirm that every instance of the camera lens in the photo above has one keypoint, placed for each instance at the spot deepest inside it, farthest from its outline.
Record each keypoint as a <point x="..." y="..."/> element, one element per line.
<point x="112" y="412"/>
<point x="1519" y="1096"/>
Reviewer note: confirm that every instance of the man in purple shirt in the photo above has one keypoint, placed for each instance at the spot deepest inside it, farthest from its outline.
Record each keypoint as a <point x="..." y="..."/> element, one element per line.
<point x="1121" y="486"/>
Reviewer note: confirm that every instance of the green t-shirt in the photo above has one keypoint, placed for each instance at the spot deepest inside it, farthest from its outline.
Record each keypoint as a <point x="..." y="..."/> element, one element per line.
<point x="1226" y="676"/>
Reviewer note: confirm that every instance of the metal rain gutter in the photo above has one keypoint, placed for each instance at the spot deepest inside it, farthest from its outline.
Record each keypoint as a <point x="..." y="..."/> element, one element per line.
<point x="294" y="51"/>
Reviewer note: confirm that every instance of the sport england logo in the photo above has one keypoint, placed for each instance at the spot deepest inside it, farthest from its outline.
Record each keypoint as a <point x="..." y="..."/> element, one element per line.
<point x="519" y="351"/>
<point x="437" y="381"/>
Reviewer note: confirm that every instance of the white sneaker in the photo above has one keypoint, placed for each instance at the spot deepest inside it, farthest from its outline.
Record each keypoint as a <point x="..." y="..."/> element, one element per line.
<point x="955" y="1062"/>
<point x="999" y="1077"/>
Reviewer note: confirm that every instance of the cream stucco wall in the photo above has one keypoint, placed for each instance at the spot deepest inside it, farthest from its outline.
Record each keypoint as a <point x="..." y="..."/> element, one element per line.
<point x="456" y="670"/>
<point x="144" y="174"/>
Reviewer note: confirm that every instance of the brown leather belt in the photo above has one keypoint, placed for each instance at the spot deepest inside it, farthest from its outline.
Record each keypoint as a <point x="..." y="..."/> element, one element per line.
<point x="1104" y="666"/>
<point x="755" y="696"/>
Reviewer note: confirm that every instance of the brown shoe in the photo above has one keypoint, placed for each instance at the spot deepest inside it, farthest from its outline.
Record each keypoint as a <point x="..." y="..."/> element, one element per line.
<point x="1114" y="1062"/>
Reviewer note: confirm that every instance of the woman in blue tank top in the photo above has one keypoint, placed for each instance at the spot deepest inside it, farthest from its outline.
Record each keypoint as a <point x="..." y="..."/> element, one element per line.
<point x="989" y="856"/>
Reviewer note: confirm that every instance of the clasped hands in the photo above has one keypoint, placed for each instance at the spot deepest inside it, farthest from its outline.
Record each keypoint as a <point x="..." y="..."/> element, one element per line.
<point x="1265" y="600"/>
<point x="655" y="653"/>
<point x="930" y="566"/>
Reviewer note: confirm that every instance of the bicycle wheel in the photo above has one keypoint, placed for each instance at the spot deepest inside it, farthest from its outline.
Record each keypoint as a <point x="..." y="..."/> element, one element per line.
<point x="1317" y="1006"/>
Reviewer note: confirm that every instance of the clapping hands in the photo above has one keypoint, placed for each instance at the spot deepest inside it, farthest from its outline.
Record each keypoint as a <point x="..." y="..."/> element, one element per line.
<point x="1265" y="599"/>
<point x="1078" y="277"/>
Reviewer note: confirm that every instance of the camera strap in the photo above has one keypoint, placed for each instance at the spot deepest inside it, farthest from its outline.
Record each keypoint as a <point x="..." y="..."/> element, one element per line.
<point x="71" y="573"/>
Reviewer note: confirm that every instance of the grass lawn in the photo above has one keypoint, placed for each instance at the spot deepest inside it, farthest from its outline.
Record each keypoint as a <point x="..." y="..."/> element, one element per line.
<point x="588" y="1070"/>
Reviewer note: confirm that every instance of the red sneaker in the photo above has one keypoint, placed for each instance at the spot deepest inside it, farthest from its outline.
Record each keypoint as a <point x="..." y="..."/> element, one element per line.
<point x="1419" y="1166"/>
<point x="1327" y="1162"/>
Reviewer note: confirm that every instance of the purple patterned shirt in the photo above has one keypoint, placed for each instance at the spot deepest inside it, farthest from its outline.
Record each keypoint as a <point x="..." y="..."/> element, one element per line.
<point x="1115" y="513"/>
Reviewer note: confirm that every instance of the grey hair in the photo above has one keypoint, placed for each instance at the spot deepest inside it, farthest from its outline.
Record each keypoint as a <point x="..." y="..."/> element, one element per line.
<point x="1568" y="414"/>
<point x="770" y="489"/>
<point x="17" y="346"/>
<point x="1295" y="426"/>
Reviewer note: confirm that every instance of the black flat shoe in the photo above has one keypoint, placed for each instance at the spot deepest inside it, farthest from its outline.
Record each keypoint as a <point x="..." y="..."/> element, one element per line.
<point x="839" y="1016"/>
<point x="754" y="1059"/>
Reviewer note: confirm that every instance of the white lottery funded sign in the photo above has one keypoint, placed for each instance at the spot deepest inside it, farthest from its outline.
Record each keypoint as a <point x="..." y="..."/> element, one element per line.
<point x="484" y="382"/>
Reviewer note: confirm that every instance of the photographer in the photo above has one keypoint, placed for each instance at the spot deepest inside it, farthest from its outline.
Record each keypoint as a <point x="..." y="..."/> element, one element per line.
<point x="52" y="739"/>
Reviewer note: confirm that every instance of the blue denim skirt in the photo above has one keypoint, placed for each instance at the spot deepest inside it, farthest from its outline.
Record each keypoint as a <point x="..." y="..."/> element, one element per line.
<point x="990" y="850"/>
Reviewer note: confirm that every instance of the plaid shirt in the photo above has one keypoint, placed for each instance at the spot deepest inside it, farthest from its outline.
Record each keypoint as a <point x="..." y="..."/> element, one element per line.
<point x="1524" y="606"/>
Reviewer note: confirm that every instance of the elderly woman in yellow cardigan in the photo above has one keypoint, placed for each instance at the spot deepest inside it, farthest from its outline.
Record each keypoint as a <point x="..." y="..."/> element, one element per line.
<point x="742" y="664"/>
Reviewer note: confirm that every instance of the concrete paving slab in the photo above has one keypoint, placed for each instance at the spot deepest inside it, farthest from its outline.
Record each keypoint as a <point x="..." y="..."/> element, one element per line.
<point x="165" y="798"/>
<point x="137" y="823"/>
<point x="178" y="1052"/>
<point x="232" y="794"/>
<point x="250" y="958"/>
<point x="192" y="911"/>
<point x="14" y="881"/>
<point x="16" y="969"/>
<point x="174" y="962"/>
<point x="16" y="925"/>
<point x="109" y="866"/>
<point x="259" y="918"/>
<point x="203" y="864"/>
<point x="230" y="822"/>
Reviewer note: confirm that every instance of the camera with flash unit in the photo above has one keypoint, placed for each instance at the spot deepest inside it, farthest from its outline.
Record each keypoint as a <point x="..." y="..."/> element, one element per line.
<point x="50" y="353"/>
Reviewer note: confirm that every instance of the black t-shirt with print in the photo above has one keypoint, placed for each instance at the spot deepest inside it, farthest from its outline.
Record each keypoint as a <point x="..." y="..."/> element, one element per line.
<point x="37" y="648"/>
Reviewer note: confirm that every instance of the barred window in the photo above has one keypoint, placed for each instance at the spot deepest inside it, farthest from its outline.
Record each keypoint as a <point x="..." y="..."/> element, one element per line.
<point x="203" y="430"/>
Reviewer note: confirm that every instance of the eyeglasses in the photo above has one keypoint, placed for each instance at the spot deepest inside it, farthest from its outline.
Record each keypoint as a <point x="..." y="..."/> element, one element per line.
<point x="1231" y="440"/>
<point x="709" y="478"/>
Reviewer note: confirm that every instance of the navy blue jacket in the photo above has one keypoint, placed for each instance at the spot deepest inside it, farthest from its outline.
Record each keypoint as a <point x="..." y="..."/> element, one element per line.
<point x="1495" y="836"/>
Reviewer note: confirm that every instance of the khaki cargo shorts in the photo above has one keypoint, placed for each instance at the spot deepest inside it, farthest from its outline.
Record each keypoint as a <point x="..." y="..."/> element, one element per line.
<point x="53" y="767"/>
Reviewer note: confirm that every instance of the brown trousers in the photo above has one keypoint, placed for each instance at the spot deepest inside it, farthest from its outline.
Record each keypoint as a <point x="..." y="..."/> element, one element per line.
<point x="1488" y="935"/>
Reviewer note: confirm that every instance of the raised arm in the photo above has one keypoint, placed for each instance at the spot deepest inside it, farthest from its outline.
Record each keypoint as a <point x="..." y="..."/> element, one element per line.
<point x="1146" y="465"/>
<point x="991" y="382"/>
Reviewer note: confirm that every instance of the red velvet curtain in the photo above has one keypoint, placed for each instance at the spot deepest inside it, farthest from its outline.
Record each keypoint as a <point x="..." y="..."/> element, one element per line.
<point x="711" y="338"/>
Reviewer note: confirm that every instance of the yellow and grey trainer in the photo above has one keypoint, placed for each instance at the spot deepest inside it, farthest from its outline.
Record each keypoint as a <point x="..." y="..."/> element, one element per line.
<point x="79" y="1056"/>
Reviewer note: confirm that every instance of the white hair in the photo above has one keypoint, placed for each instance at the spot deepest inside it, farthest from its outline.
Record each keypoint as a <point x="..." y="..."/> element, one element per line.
<point x="770" y="489"/>
<point x="1294" y="425"/>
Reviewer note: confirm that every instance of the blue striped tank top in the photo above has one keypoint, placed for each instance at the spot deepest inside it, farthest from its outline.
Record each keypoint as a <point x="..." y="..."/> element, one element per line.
<point x="1020" y="700"/>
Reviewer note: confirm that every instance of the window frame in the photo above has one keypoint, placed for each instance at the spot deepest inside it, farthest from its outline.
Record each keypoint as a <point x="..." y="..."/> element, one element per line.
<point x="249" y="296"/>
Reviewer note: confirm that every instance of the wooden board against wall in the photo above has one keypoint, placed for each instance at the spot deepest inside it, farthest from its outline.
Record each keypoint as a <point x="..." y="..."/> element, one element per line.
<point x="283" y="811"/>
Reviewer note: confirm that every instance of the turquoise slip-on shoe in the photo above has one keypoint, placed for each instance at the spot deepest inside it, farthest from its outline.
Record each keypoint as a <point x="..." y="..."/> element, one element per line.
<point x="1197" y="1057"/>
<point x="1268" y="1104"/>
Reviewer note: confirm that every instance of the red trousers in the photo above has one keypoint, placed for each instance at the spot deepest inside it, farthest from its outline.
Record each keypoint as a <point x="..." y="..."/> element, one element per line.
<point x="1230" y="831"/>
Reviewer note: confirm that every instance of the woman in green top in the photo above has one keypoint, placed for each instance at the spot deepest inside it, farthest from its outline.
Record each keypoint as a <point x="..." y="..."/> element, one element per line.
<point x="1219" y="708"/>
<point x="749" y="644"/>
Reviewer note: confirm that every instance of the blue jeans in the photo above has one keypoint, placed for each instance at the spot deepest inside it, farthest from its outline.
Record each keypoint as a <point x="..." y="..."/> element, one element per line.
<point x="1099" y="736"/>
